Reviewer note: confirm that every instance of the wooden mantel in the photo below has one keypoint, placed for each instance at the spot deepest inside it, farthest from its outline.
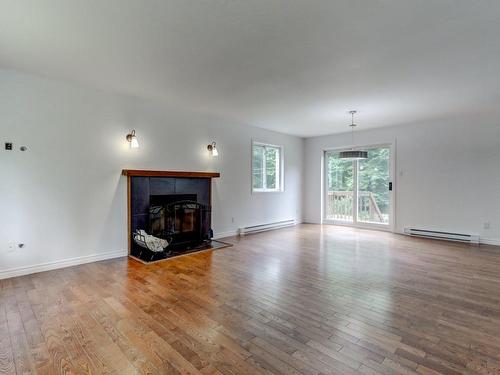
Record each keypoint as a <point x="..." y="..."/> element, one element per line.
<point x="146" y="173"/>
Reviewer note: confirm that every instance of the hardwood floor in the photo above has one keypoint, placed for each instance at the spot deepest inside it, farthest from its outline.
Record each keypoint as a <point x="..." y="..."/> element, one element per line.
<point x="304" y="300"/>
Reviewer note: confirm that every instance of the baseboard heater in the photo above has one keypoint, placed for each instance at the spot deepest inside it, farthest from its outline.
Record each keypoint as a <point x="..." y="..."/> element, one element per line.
<point x="440" y="235"/>
<point x="264" y="227"/>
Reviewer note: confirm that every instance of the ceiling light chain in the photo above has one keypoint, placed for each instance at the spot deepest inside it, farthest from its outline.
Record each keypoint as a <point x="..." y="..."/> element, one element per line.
<point x="353" y="154"/>
<point x="353" y="125"/>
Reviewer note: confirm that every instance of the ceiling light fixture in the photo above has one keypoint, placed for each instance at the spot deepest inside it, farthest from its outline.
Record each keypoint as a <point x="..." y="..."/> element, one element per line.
<point x="132" y="139"/>
<point x="212" y="149"/>
<point x="353" y="154"/>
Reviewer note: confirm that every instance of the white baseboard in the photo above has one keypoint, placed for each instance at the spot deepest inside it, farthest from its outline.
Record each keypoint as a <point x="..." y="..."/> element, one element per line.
<point x="489" y="241"/>
<point x="230" y="233"/>
<point x="309" y="221"/>
<point x="21" y="271"/>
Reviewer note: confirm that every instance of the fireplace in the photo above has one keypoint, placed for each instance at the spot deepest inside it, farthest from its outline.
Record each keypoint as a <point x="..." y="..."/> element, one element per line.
<point x="180" y="218"/>
<point x="169" y="213"/>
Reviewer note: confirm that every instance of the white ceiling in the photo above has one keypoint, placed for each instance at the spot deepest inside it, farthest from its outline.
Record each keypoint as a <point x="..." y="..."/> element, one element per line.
<point x="292" y="66"/>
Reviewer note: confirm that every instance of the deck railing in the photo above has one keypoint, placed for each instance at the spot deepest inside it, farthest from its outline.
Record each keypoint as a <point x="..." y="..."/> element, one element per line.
<point x="339" y="207"/>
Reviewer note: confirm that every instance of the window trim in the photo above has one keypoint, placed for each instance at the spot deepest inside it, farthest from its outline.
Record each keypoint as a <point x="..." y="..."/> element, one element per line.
<point x="281" y="168"/>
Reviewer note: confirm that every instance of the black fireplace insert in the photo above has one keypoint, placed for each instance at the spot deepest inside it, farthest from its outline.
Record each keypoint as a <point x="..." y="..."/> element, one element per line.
<point x="169" y="216"/>
<point x="180" y="219"/>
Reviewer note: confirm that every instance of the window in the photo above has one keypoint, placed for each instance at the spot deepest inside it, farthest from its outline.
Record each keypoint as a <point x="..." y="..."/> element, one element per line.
<point x="267" y="167"/>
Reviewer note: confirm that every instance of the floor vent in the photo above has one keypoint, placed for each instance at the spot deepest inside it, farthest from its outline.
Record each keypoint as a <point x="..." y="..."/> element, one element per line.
<point x="263" y="227"/>
<point x="440" y="235"/>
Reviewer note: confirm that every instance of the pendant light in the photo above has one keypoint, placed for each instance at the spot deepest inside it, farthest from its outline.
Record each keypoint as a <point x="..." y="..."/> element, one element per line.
<point x="353" y="154"/>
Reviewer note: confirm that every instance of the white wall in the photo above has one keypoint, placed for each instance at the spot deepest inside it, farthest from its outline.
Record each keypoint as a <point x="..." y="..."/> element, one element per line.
<point x="447" y="173"/>
<point x="65" y="198"/>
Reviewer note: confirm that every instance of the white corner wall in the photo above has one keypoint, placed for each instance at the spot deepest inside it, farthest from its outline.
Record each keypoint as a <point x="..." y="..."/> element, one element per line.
<point x="65" y="199"/>
<point x="447" y="174"/>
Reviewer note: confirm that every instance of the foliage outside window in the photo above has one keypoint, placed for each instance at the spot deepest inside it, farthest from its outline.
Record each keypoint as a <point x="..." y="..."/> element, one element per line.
<point x="373" y="176"/>
<point x="373" y="179"/>
<point x="266" y="168"/>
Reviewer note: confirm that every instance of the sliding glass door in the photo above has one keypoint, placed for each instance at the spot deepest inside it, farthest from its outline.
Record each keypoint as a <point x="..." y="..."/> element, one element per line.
<point x="359" y="192"/>
<point x="374" y="177"/>
<point x="340" y="188"/>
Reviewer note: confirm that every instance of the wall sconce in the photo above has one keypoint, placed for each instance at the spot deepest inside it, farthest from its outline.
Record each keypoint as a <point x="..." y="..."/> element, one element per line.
<point x="212" y="149"/>
<point x="132" y="139"/>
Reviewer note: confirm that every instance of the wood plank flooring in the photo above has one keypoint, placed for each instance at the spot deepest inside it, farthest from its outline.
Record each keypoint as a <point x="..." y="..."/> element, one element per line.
<point x="304" y="300"/>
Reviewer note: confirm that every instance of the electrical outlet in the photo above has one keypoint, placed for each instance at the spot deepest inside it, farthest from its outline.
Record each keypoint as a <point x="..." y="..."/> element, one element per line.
<point x="232" y="220"/>
<point x="8" y="146"/>
<point x="486" y="225"/>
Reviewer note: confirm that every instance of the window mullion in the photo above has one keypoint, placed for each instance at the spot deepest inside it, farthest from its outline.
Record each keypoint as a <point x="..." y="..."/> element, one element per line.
<point x="355" y="192"/>
<point x="264" y="164"/>
<point x="277" y="169"/>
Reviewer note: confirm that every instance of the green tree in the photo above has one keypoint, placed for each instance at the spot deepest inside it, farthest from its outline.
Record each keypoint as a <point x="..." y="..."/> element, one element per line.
<point x="271" y="155"/>
<point x="373" y="175"/>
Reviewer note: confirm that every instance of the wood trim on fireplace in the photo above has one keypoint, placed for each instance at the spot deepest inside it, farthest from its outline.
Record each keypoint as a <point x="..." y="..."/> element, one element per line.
<point x="146" y="173"/>
<point x="129" y="213"/>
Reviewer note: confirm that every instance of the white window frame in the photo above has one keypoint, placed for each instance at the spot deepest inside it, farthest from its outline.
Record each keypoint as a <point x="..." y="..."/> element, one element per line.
<point x="281" y="168"/>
